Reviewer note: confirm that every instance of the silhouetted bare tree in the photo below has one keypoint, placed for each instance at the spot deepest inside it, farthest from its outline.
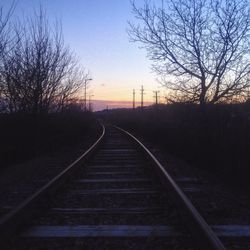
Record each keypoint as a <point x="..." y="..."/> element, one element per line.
<point x="40" y="73"/>
<point x="70" y="87"/>
<point x="200" y="48"/>
<point x="5" y="27"/>
<point x="5" y="38"/>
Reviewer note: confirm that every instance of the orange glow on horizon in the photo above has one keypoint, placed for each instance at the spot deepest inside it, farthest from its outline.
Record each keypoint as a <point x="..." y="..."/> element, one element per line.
<point x="121" y="94"/>
<point x="110" y="104"/>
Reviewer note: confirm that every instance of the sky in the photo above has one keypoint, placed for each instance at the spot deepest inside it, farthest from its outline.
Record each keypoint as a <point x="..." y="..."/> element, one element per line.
<point x="96" y="30"/>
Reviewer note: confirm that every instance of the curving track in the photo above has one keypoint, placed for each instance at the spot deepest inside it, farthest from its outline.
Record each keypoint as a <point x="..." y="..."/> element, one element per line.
<point x="115" y="196"/>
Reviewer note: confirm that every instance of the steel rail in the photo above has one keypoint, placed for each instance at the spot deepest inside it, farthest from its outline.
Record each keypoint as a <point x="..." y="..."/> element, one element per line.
<point x="202" y="233"/>
<point x="36" y="203"/>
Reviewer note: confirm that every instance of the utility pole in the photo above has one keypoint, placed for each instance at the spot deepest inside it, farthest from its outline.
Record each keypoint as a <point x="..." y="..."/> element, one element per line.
<point x="142" y="93"/>
<point x="85" y="92"/>
<point x="133" y="99"/>
<point x="156" y="97"/>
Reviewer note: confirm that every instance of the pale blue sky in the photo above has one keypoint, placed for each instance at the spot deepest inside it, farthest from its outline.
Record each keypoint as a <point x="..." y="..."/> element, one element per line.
<point x="96" y="31"/>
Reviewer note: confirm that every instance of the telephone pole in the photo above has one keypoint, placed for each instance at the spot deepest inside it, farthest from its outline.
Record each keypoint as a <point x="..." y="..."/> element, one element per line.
<point x="85" y="92"/>
<point x="133" y="99"/>
<point x="156" y="97"/>
<point x="142" y="93"/>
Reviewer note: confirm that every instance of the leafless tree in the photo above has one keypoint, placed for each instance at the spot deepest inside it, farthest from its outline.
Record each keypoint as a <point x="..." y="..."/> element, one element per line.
<point x="40" y="72"/>
<point x="5" y="39"/>
<point x="69" y="90"/>
<point x="5" y="26"/>
<point x="200" y="48"/>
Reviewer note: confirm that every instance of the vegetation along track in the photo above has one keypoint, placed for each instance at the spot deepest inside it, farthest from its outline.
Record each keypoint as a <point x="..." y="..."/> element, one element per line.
<point x="115" y="196"/>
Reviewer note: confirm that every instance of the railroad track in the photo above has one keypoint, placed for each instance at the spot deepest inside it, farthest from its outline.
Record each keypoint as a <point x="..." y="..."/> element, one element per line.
<point x="115" y="196"/>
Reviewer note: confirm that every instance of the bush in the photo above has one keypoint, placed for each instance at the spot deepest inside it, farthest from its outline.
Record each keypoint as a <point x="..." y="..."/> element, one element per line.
<point x="216" y="138"/>
<point x="24" y="136"/>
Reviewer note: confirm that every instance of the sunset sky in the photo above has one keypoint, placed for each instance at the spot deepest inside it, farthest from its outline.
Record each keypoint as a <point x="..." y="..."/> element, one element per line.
<point x="96" y="31"/>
